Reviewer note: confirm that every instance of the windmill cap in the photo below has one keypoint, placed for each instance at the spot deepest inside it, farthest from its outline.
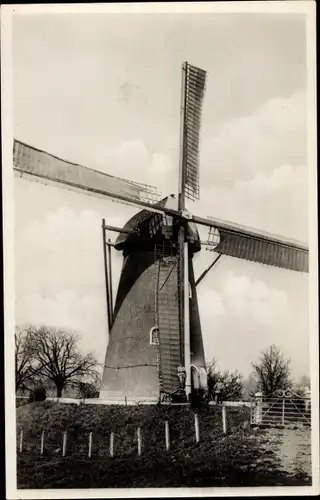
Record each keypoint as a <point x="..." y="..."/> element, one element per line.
<point x="140" y="220"/>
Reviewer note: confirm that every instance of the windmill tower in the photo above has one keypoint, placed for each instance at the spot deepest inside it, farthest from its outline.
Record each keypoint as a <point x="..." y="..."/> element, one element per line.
<point x="146" y="342"/>
<point x="154" y="323"/>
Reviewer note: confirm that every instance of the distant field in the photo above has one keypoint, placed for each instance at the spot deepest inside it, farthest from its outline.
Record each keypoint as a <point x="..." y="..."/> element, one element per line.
<point x="242" y="457"/>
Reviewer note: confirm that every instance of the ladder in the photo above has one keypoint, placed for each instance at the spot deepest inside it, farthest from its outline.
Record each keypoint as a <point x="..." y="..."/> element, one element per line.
<point x="167" y="317"/>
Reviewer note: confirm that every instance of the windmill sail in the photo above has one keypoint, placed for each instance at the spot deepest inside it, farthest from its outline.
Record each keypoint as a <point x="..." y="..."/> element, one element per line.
<point x="243" y="243"/>
<point x="235" y="240"/>
<point x="30" y="161"/>
<point x="195" y="79"/>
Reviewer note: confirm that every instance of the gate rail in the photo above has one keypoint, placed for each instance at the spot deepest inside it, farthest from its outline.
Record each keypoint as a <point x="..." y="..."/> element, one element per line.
<point x="281" y="408"/>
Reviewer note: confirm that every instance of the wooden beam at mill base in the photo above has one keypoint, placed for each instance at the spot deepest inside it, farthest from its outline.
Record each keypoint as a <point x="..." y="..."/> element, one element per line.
<point x="187" y="353"/>
<point x="118" y="229"/>
<point x="106" y="275"/>
<point x="110" y="278"/>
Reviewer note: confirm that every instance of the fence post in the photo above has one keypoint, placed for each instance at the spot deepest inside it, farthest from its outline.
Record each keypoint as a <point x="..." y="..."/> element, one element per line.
<point x="258" y="408"/>
<point x="90" y="445"/>
<point x="139" y="441"/>
<point x="224" y="419"/>
<point x="283" y="407"/>
<point x="64" y="444"/>
<point x="111" y="444"/>
<point x="42" y="443"/>
<point x="167" y="435"/>
<point x="21" y="441"/>
<point x="307" y="401"/>
<point x="196" y="426"/>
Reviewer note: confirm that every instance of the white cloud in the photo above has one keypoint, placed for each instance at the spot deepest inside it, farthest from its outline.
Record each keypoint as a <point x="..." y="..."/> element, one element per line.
<point x="211" y="305"/>
<point x="259" y="154"/>
<point x="274" y="135"/>
<point x="254" y="170"/>
<point x="275" y="202"/>
<point x="242" y="316"/>
<point x="64" y="250"/>
<point x="132" y="160"/>
<point x="254" y="299"/>
<point x="240" y="297"/>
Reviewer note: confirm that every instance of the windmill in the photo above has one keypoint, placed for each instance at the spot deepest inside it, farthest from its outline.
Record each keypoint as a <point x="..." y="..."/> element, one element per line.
<point x="154" y="324"/>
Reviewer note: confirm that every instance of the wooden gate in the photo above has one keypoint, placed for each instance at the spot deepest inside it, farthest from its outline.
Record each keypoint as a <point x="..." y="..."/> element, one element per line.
<point x="281" y="408"/>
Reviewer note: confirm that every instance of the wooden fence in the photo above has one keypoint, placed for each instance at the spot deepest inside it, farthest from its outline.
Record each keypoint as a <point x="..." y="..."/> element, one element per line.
<point x="91" y="443"/>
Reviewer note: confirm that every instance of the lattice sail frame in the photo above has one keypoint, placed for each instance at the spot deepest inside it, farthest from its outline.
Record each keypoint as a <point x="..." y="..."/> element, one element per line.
<point x="263" y="249"/>
<point x="195" y="80"/>
<point x="30" y="162"/>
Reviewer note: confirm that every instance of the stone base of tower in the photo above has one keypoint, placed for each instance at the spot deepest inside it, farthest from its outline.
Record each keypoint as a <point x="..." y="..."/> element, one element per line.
<point x="117" y="398"/>
<point x="131" y="384"/>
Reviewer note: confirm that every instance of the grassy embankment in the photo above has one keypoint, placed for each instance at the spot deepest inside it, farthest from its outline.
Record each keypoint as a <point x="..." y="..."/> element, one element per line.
<point x="235" y="459"/>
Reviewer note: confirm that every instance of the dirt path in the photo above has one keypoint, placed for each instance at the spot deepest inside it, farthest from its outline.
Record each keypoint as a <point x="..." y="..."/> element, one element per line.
<point x="292" y="447"/>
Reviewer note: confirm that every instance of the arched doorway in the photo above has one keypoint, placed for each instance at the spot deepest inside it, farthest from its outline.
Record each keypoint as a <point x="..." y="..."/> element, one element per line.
<point x="195" y="378"/>
<point x="198" y="378"/>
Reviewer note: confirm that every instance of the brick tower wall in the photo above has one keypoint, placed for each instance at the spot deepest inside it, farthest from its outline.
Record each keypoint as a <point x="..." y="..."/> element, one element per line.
<point x="131" y="361"/>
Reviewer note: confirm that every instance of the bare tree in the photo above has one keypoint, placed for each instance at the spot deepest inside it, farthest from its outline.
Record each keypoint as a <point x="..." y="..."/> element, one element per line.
<point x="26" y="372"/>
<point x="272" y="371"/>
<point x="231" y="382"/>
<point x="58" y="358"/>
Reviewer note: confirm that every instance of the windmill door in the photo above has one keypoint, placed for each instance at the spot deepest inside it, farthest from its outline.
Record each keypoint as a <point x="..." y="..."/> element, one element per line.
<point x="195" y="378"/>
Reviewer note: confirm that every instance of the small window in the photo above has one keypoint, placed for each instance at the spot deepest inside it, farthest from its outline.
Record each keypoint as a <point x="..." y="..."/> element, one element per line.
<point x="190" y="292"/>
<point x="154" y="335"/>
<point x="155" y="223"/>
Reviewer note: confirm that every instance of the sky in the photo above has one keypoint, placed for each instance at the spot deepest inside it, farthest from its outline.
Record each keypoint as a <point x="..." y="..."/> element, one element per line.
<point x="104" y="91"/>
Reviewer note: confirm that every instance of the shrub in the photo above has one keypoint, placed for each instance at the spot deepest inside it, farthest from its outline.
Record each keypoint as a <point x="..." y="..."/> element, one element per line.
<point x="38" y="394"/>
<point x="198" y="398"/>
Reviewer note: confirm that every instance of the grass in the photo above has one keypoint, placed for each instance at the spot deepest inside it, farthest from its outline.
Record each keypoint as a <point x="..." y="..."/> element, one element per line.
<point x="235" y="459"/>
